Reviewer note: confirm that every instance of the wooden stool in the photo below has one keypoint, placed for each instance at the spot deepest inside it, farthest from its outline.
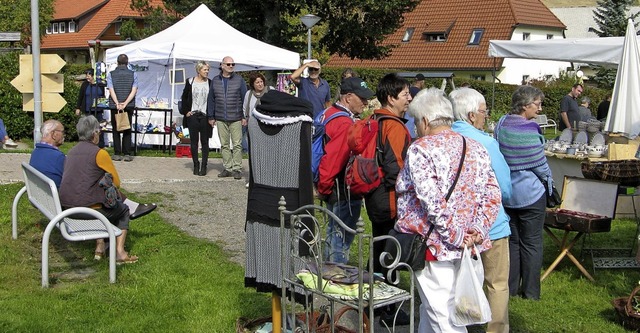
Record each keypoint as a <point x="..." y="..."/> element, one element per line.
<point x="183" y="150"/>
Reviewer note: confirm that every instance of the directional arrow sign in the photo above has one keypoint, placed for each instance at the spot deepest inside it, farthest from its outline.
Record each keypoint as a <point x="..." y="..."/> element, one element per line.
<point x="50" y="83"/>
<point x="51" y="102"/>
<point x="49" y="63"/>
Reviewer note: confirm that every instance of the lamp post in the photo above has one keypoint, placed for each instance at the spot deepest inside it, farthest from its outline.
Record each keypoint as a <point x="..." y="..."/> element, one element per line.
<point x="309" y="21"/>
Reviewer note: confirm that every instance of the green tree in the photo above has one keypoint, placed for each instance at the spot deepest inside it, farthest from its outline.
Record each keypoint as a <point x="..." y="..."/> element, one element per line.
<point x="20" y="13"/>
<point x="611" y="18"/>
<point x="350" y="28"/>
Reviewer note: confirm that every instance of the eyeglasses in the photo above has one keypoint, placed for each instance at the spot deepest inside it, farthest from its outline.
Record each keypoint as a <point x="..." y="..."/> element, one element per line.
<point x="537" y="104"/>
<point x="231" y="64"/>
<point x="486" y="112"/>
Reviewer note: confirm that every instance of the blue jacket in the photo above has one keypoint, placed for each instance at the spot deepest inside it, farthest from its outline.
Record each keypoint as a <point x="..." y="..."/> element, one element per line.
<point x="49" y="160"/>
<point x="500" y="227"/>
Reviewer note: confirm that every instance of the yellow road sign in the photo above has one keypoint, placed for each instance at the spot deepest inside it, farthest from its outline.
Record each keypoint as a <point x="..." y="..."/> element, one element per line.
<point x="50" y="83"/>
<point x="49" y="63"/>
<point x="51" y="102"/>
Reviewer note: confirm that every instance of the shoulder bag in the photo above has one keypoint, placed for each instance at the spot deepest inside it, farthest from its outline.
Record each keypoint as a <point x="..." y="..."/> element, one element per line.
<point x="413" y="246"/>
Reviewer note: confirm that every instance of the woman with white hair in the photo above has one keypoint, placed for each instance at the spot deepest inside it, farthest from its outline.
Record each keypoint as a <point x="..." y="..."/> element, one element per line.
<point x="430" y="171"/>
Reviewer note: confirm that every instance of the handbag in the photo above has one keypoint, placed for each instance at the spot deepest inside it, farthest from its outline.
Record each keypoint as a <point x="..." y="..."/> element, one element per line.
<point x="111" y="193"/>
<point x="412" y="245"/>
<point x="122" y="121"/>
<point x="553" y="199"/>
<point x="470" y="302"/>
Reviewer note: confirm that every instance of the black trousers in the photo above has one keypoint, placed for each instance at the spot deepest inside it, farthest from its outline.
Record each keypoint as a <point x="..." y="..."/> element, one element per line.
<point x="121" y="146"/>
<point x="199" y="131"/>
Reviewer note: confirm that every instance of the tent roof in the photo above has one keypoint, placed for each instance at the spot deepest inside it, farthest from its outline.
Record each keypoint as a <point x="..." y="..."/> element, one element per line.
<point x="602" y="51"/>
<point x="203" y="36"/>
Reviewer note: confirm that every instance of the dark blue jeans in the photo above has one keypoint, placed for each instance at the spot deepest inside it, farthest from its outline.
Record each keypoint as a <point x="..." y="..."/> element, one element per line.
<point x="525" y="249"/>
<point x="339" y="241"/>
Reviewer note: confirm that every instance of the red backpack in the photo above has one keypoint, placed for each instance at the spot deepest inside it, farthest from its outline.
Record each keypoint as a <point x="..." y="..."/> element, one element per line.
<point x="363" y="173"/>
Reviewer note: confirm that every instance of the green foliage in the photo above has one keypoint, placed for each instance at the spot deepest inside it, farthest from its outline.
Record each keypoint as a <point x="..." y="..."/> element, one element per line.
<point x="352" y="28"/>
<point x="19" y="12"/>
<point x="604" y="77"/>
<point x="611" y="17"/>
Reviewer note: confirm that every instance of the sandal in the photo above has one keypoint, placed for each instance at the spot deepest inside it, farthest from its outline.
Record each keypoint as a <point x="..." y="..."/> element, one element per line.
<point x="98" y="255"/>
<point x="128" y="260"/>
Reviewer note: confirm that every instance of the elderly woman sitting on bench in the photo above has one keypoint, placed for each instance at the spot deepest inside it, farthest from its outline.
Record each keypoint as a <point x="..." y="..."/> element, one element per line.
<point x="85" y="167"/>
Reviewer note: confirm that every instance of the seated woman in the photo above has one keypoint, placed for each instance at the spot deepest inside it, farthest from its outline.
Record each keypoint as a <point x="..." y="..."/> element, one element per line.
<point x="85" y="166"/>
<point x="452" y="206"/>
<point x="4" y="137"/>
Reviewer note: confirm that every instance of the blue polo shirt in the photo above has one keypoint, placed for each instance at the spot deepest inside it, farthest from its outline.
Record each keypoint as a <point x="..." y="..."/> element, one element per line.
<point x="318" y="96"/>
<point x="49" y="160"/>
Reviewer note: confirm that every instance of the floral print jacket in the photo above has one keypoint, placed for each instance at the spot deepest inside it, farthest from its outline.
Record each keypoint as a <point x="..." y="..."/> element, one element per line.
<point x="429" y="170"/>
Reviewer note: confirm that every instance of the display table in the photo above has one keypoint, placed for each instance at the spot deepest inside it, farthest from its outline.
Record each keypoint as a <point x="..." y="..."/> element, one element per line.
<point x="140" y="113"/>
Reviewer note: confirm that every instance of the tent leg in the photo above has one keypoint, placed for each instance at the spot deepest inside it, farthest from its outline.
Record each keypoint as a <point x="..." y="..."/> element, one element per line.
<point x="276" y="313"/>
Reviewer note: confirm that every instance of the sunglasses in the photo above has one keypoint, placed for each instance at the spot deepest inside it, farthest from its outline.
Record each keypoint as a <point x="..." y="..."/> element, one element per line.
<point x="231" y="64"/>
<point x="313" y="69"/>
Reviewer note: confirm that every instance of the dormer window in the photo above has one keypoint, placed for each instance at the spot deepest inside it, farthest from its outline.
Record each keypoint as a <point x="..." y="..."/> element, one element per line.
<point x="62" y="27"/>
<point x="526" y="36"/>
<point x="72" y="26"/>
<point x="441" y="37"/>
<point x="117" y="26"/>
<point x="476" y="35"/>
<point x="49" y="29"/>
<point x="408" y="34"/>
<point x="55" y="28"/>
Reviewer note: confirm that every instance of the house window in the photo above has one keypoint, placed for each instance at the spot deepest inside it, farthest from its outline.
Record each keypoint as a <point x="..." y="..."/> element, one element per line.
<point x="62" y="27"/>
<point x="437" y="37"/>
<point x="526" y="36"/>
<point x="525" y="79"/>
<point x="117" y="27"/>
<point x="49" y="28"/>
<point x="407" y="34"/>
<point x="478" y="77"/>
<point x="72" y="26"/>
<point x="476" y="35"/>
<point x="55" y="28"/>
<point x="548" y="77"/>
<point x="549" y="36"/>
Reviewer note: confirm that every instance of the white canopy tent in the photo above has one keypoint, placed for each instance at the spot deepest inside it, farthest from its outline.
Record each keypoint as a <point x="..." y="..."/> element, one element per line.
<point x="624" y="111"/>
<point x="199" y="36"/>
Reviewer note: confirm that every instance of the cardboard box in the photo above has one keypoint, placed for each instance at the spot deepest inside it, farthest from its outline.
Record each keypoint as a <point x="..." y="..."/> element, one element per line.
<point x="620" y="151"/>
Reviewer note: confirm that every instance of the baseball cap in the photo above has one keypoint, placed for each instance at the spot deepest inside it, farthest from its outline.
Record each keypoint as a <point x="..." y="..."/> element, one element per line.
<point x="357" y="86"/>
<point x="419" y="77"/>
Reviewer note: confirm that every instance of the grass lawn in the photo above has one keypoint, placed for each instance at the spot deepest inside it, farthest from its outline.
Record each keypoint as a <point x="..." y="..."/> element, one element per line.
<point x="185" y="284"/>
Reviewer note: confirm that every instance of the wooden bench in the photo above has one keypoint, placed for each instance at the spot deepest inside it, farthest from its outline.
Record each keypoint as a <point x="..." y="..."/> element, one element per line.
<point x="43" y="195"/>
<point x="544" y="123"/>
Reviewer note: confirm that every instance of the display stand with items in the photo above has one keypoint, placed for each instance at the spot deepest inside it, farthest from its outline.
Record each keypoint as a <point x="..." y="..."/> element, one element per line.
<point x="152" y="129"/>
<point x="588" y="206"/>
<point x="324" y="295"/>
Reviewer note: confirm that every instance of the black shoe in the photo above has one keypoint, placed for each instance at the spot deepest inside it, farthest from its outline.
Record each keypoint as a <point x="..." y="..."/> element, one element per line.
<point x="237" y="175"/>
<point x="386" y="318"/>
<point x="196" y="168"/>
<point x="203" y="170"/>
<point x="225" y="173"/>
<point x="142" y="210"/>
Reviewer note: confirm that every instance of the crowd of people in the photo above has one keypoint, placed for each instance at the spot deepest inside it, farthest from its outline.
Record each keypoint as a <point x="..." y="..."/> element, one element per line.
<point x="444" y="178"/>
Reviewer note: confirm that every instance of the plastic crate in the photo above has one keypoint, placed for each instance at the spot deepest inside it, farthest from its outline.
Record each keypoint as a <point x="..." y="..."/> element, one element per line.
<point x="183" y="150"/>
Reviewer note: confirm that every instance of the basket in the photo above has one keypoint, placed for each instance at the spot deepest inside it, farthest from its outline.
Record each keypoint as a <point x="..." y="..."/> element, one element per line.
<point x="624" y="172"/>
<point x="628" y="317"/>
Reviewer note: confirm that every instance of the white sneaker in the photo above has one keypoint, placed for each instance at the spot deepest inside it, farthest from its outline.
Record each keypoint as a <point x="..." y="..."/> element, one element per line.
<point x="247" y="186"/>
<point x="9" y="143"/>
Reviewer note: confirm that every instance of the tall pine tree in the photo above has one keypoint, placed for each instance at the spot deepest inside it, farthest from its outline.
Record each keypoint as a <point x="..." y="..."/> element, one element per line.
<point x="611" y="18"/>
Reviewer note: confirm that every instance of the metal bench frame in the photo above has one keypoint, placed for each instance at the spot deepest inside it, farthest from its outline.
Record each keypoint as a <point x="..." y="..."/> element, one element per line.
<point x="43" y="194"/>
<point x="545" y="122"/>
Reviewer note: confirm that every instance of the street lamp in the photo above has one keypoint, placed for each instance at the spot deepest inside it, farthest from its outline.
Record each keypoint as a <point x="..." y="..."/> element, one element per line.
<point x="309" y="21"/>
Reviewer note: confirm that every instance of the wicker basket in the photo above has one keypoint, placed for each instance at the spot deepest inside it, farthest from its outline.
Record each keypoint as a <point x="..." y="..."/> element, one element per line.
<point x="625" y="172"/>
<point x="628" y="317"/>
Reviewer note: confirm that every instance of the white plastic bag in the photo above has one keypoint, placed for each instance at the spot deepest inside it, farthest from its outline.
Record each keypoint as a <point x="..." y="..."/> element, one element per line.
<point x="471" y="305"/>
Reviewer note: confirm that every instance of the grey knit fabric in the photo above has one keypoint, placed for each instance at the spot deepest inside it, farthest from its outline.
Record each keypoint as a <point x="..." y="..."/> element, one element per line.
<point x="262" y="159"/>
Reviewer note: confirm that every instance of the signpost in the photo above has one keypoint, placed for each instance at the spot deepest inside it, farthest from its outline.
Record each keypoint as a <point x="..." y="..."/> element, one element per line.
<point x="52" y="82"/>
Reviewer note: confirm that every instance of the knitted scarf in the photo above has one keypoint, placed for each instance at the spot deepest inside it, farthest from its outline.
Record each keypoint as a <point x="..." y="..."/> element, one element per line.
<point x="520" y="142"/>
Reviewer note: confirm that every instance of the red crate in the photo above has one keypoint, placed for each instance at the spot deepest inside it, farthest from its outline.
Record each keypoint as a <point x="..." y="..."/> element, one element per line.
<point x="183" y="150"/>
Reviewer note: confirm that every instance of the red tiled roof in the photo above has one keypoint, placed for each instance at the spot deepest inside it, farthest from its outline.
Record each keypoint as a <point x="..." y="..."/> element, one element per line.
<point x="103" y="13"/>
<point x="74" y="9"/>
<point x="498" y="18"/>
